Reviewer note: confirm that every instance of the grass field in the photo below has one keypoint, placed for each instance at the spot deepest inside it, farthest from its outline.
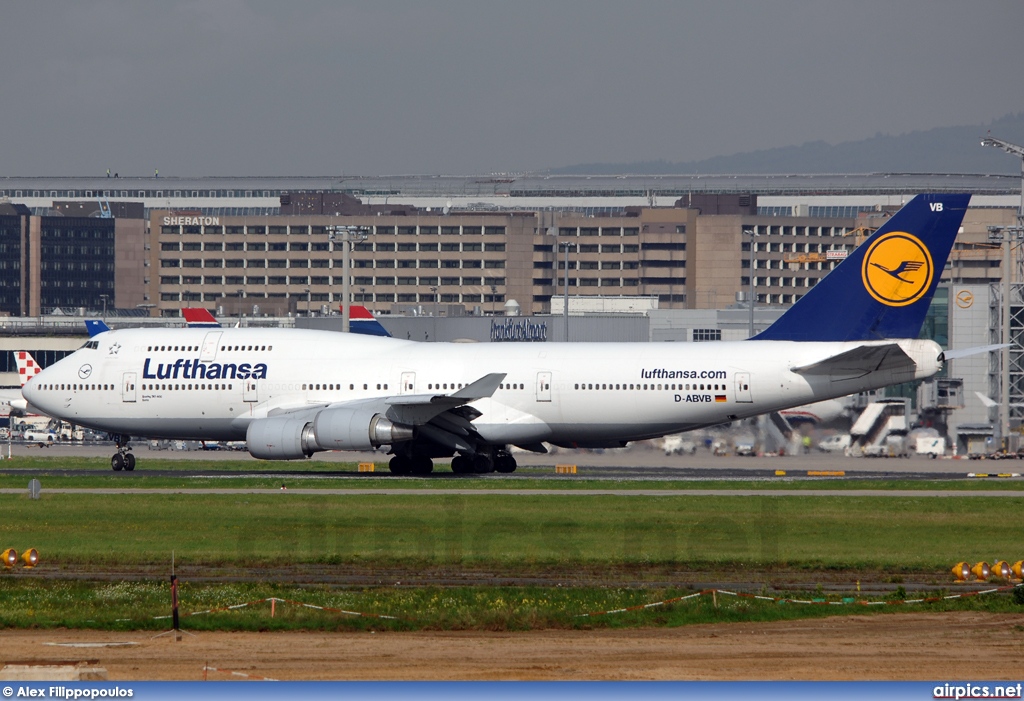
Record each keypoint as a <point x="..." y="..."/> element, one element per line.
<point x="636" y="538"/>
<point x="905" y="534"/>
<point x="146" y="606"/>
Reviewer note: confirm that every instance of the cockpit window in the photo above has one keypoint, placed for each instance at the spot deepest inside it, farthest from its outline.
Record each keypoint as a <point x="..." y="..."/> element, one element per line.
<point x="93" y="345"/>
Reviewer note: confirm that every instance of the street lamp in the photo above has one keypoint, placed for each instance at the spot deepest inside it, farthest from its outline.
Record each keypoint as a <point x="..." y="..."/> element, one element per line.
<point x="565" y="307"/>
<point x="494" y="300"/>
<point x="347" y="235"/>
<point x="753" y="260"/>
<point x="306" y="290"/>
<point x="104" y="298"/>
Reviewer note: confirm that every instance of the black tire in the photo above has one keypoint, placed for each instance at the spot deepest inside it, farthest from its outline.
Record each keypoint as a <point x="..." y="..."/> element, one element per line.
<point x="505" y="464"/>
<point x="421" y="465"/>
<point x="482" y="464"/>
<point x="461" y="465"/>
<point x="399" y="465"/>
<point x="129" y="462"/>
<point x="117" y="462"/>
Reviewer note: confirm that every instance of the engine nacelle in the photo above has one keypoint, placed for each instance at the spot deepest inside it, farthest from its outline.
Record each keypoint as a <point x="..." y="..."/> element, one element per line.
<point x="345" y="428"/>
<point x="291" y="438"/>
<point x="281" y="438"/>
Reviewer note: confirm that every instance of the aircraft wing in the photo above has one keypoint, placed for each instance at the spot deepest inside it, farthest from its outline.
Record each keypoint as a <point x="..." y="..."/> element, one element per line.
<point x="441" y="418"/>
<point x="860" y="361"/>
<point x="411" y="409"/>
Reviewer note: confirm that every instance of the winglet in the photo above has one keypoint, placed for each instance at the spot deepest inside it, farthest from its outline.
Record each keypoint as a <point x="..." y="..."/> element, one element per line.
<point x="883" y="289"/>
<point x="95" y="327"/>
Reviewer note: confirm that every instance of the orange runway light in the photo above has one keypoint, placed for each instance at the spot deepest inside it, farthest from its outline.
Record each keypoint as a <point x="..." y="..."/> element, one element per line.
<point x="1017" y="568"/>
<point x="30" y="557"/>
<point x="1001" y="569"/>
<point x="10" y="557"/>
<point x="961" y="571"/>
<point x="982" y="571"/>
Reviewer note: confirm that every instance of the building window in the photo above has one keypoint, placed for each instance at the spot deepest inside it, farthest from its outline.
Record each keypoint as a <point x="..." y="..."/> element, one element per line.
<point x="707" y="334"/>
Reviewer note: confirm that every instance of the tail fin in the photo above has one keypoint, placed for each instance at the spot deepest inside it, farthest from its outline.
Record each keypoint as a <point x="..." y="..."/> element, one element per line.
<point x="96" y="327"/>
<point x="362" y="321"/>
<point x="883" y="289"/>
<point x="197" y="317"/>
<point x="27" y="366"/>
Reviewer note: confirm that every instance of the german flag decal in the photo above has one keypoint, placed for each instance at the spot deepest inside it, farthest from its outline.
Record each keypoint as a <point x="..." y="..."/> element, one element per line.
<point x="720" y="398"/>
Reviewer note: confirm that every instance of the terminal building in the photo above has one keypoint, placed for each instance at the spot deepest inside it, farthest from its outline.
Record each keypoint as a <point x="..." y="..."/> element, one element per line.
<point x="443" y="256"/>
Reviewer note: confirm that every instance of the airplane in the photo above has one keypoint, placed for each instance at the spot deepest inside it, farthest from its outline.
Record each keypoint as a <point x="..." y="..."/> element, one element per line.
<point x="291" y="393"/>
<point x="28" y="368"/>
<point x="361" y="320"/>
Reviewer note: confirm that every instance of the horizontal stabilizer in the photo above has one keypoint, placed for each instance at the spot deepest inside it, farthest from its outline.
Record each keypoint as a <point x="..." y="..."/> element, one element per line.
<point x="976" y="350"/>
<point x="989" y="402"/>
<point x="860" y="361"/>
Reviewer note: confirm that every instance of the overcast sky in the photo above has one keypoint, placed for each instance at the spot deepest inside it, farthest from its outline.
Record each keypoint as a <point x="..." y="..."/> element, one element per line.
<point x="326" y="87"/>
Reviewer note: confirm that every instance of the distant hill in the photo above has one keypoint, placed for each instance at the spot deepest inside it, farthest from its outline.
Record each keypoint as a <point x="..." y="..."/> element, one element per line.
<point x="941" y="150"/>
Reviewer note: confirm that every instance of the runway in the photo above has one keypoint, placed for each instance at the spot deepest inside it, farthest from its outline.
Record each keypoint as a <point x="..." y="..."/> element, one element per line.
<point x="638" y="463"/>
<point x="512" y="491"/>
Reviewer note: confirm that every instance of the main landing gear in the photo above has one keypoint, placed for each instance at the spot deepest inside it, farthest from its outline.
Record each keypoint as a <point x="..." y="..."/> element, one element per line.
<point x="482" y="463"/>
<point x="411" y="465"/>
<point x="122" y="459"/>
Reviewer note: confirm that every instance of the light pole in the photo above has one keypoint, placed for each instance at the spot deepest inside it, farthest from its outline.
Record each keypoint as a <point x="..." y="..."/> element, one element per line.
<point x="565" y="307"/>
<point x="494" y="300"/>
<point x="753" y="260"/>
<point x="1007" y="235"/>
<point x="104" y="298"/>
<point x="347" y="235"/>
<point x="306" y="290"/>
<point x="433" y="293"/>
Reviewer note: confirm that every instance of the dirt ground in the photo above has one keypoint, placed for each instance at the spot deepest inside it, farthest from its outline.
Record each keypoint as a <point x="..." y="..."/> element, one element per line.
<point x="949" y="646"/>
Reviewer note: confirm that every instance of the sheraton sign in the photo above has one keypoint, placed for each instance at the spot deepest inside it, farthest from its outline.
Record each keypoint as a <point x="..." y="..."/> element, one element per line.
<point x="191" y="221"/>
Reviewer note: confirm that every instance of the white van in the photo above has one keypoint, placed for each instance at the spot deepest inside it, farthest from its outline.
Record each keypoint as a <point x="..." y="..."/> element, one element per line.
<point x="835" y="444"/>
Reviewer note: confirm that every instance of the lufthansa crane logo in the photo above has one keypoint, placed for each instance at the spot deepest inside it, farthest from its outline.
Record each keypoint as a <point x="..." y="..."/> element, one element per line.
<point x="898" y="269"/>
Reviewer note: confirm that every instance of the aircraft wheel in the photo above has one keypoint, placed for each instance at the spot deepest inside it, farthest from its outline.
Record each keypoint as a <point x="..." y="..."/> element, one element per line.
<point x="482" y="464"/>
<point x="505" y="463"/>
<point x="117" y="462"/>
<point x="461" y="465"/>
<point x="399" y="465"/>
<point x="129" y="462"/>
<point x="422" y="465"/>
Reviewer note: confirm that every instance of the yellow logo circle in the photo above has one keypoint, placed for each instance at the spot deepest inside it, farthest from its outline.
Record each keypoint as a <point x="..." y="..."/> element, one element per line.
<point x="897" y="269"/>
<point x="964" y="299"/>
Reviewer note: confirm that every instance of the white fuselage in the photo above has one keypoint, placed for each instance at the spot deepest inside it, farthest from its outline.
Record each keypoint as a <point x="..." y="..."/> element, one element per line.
<point x="211" y="383"/>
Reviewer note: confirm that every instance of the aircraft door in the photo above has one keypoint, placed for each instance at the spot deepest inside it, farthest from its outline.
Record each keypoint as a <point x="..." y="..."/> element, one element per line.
<point x="408" y="385"/>
<point x="128" y="388"/>
<point x="743" y="387"/>
<point x="250" y="390"/>
<point x="543" y="386"/>
<point x="210" y="343"/>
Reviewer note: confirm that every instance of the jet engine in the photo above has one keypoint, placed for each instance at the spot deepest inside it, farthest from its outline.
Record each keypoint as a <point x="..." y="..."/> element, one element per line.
<point x="342" y="428"/>
<point x="281" y="438"/>
<point x="346" y="428"/>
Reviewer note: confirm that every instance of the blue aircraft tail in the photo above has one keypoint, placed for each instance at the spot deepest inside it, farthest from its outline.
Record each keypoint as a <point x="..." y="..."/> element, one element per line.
<point x="883" y="289"/>
<point x="95" y="327"/>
